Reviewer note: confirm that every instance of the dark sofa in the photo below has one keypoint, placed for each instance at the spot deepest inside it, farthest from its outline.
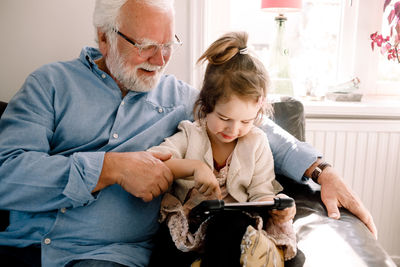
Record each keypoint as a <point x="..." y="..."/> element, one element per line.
<point x="321" y="241"/>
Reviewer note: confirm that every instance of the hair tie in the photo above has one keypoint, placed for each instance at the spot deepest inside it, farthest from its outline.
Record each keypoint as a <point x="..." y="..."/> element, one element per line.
<point x="243" y="51"/>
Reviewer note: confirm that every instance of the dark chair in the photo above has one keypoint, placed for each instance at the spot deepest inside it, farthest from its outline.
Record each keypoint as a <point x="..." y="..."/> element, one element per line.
<point x="3" y="106"/>
<point x="321" y="241"/>
<point x="4" y="215"/>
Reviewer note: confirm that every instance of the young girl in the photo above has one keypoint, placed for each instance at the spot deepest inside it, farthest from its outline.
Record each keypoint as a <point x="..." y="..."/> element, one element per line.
<point x="229" y="158"/>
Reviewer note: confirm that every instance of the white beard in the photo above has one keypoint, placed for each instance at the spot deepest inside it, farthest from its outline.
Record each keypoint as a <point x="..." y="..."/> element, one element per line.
<point x="128" y="77"/>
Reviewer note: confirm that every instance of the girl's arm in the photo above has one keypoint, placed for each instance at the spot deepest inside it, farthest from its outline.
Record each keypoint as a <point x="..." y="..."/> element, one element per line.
<point x="205" y="181"/>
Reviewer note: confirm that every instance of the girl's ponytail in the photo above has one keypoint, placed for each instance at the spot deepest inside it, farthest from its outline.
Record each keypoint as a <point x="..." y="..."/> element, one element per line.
<point x="225" y="48"/>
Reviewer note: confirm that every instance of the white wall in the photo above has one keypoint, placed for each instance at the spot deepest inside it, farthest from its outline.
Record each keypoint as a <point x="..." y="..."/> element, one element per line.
<point x="180" y="64"/>
<point x="37" y="32"/>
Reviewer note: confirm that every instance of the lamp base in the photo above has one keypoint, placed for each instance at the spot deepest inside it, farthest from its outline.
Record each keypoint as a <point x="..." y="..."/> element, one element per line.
<point x="279" y="67"/>
<point x="282" y="86"/>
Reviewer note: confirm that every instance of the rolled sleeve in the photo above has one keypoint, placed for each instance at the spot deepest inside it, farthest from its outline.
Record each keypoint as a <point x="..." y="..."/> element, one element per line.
<point x="83" y="177"/>
<point x="300" y="157"/>
<point x="292" y="157"/>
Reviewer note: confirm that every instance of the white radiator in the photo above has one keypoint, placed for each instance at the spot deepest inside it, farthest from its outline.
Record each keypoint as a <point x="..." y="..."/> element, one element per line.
<point x="367" y="154"/>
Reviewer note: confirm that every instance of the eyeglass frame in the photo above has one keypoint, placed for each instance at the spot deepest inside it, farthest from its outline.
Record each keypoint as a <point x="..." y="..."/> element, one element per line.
<point x="140" y="47"/>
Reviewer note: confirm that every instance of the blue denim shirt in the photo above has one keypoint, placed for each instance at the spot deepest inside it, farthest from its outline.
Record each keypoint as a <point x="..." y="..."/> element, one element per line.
<point x="53" y="136"/>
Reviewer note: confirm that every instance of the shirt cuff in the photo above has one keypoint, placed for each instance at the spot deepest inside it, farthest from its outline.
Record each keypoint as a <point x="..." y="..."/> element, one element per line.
<point x="83" y="177"/>
<point x="298" y="162"/>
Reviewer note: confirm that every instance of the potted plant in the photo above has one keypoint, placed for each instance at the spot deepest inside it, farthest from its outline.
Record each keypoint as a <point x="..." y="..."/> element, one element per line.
<point x="389" y="44"/>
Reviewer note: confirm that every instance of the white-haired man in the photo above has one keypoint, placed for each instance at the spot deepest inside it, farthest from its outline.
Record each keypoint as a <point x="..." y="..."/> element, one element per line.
<point x="80" y="189"/>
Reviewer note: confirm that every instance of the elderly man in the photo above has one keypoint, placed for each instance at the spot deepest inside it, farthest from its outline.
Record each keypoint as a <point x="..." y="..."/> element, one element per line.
<point x="73" y="171"/>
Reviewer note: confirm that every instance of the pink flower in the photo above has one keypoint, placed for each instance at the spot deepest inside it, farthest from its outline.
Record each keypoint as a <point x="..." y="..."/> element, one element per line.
<point x="389" y="43"/>
<point x="379" y="40"/>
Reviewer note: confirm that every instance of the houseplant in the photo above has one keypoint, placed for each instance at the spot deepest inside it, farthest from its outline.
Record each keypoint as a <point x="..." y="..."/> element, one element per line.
<point x="389" y="44"/>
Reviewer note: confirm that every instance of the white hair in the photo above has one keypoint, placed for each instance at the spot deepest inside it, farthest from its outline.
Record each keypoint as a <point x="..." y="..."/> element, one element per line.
<point x="106" y="18"/>
<point x="106" y="12"/>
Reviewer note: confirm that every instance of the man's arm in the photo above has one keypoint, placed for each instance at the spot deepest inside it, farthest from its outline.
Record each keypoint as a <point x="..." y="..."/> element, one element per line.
<point x="143" y="174"/>
<point x="146" y="175"/>
<point x="292" y="158"/>
<point x="298" y="160"/>
<point x="32" y="177"/>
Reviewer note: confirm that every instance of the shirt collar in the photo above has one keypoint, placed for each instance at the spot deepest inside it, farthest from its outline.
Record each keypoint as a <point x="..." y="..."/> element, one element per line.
<point x="89" y="55"/>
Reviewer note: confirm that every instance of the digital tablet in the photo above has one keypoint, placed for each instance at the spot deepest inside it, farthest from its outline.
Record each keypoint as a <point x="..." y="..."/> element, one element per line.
<point x="210" y="207"/>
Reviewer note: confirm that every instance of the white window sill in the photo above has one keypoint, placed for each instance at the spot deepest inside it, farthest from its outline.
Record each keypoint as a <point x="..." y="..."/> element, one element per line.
<point x="368" y="108"/>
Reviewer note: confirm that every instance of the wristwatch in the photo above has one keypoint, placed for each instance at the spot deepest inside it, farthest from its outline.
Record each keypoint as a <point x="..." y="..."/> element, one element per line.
<point x="318" y="170"/>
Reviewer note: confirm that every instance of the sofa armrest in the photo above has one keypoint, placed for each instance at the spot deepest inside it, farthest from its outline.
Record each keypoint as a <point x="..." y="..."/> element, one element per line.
<point x="323" y="241"/>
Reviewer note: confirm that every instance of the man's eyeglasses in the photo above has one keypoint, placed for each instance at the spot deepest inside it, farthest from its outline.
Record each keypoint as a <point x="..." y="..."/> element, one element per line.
<point x="149" y="50"/>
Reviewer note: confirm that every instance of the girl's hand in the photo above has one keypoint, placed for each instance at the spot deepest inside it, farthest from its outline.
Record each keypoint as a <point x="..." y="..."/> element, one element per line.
<point x="205" y="181"/>
<point x="281" y="216"/>
<point x="204" y="178"/>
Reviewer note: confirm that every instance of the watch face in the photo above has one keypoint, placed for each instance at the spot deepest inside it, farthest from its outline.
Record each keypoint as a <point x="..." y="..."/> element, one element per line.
<point x="317" y="171"/>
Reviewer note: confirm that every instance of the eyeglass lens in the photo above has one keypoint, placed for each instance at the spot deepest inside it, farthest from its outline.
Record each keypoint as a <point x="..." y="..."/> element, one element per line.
<point x="151" y="50"/>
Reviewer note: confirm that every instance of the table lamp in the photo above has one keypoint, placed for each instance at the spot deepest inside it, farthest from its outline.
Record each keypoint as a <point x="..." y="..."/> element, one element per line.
<point x="279" y="59"/>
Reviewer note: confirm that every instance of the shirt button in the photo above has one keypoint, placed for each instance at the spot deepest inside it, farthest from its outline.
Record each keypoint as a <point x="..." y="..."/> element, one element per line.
<point x="103" y="76"/>
<point x="122" y="103"/>
<point x="160" y="110"/>
<point x="63" y="210"/>
<point x="47" y="241"/>
<point x="115" y="135"/>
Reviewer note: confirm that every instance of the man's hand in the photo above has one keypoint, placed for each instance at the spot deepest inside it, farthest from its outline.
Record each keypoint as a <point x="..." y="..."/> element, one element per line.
<point x="335" y="193"/>
<point x="143" y="174"/>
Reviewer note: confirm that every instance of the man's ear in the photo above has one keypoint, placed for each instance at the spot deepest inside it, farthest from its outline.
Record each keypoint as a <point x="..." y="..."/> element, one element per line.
<point x="103" y="42"/>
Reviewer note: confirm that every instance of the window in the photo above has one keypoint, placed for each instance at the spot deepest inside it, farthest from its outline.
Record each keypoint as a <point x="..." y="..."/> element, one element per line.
<point x="328" y="41"/>
<point x="388" y="71"/>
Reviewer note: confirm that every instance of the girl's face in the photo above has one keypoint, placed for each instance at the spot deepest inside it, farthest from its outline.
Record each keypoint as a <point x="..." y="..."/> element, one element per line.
<point x="231" y="119"/>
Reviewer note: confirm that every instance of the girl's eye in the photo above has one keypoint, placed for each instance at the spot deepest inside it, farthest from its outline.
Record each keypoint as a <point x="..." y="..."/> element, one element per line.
<point x="247" y="122"/>
<point x="223" y="119"/>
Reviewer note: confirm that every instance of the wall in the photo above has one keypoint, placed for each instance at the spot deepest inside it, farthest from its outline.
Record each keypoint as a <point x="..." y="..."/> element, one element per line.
<point x="43" y="31"/>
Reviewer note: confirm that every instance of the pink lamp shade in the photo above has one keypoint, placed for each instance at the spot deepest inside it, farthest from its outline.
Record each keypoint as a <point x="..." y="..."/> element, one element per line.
<point x="281" y="6"/>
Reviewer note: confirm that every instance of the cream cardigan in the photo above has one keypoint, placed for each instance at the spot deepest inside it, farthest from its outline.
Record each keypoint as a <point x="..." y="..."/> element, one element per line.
<point x="251" y="172"/>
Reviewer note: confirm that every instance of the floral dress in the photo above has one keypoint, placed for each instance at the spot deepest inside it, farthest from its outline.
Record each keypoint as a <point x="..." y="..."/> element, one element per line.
<point x="176" y="216"/>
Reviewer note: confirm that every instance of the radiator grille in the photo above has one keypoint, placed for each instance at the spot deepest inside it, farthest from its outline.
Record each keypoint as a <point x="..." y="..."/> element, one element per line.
<point x="367" y="154"/>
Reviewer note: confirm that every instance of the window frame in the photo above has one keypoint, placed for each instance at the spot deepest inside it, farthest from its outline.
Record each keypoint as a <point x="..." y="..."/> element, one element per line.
<point x="355" y="56"/>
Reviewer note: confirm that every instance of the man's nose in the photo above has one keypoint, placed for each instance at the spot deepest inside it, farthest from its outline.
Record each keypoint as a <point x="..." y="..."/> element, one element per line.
<point x="158" y="58"/>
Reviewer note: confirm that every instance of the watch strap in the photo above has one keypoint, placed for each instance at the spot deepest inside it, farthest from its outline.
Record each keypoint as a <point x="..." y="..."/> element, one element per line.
<point x="318" y="170"/>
